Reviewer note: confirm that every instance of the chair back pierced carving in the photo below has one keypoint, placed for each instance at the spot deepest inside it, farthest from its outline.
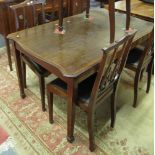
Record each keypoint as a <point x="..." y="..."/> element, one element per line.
<point x="148" y="51"/>
<point x="28" y="14"/>
<point x="111" y="66"/>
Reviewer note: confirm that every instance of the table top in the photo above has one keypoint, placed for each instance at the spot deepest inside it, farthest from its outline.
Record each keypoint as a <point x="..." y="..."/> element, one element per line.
<point x="138" y="8"/>
<point x="80" y="47"/>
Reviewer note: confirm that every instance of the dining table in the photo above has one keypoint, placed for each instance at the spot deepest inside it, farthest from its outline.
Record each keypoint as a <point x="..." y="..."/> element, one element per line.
<point x="139" y="9"/>
<point x="74" y="55"/>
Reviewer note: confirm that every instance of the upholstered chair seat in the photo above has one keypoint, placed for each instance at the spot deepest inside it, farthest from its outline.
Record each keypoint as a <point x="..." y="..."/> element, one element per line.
<point x="134" y="55"/>
<point x="84" y="88"/>
<point x="38" y="68"/>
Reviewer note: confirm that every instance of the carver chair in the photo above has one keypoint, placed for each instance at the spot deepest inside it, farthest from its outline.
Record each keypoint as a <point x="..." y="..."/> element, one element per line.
<point x="140" y="59"/>
<point x="28" y="14"/>
<point x="96" y="88"/>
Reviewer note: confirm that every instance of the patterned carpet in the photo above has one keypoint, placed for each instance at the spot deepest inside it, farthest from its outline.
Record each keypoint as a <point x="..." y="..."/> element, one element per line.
<point x="1" y="41"/>
<point x="29" y="126"/>
<point x="6" y="143"/>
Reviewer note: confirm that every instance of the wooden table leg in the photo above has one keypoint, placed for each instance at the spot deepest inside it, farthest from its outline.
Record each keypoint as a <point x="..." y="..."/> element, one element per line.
<point x="8" y="52"/>
<point x="72" y="90"/>
<point x="19" y="71"/>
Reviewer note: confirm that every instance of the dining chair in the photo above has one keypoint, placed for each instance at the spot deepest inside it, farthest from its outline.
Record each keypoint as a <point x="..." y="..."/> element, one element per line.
<point x="53" y="11"/>
<point x="96" y="88"/>
<point x="140" y="59"/>
<point x="28" y="14"/>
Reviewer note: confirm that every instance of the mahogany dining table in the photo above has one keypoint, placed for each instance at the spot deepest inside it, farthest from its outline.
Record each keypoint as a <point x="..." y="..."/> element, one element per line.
<point x="75" y="55"/>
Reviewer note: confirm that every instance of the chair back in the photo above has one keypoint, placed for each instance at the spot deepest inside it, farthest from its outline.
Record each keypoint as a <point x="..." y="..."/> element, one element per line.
<point x="110" y="68"/>
<point x="147" y="54"/>
<point x="56" y="4"/>
<point x="28" y="14"/>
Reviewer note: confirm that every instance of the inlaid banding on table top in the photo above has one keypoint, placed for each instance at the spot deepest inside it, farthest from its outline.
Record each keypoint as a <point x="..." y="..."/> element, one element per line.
<point x="80" y="47"/>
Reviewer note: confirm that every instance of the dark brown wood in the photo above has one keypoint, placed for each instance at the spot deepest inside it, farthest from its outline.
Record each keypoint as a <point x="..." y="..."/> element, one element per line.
<point x="24" y="73"/>
<point x="72" y="57"/>
<point x="87" y="9"/>
<point x="72" y="98"/>
<point x="112" y="20"/>
<point x="4" y="25"/>
<point x="50" y="106"/>
<point x="81" y="31"/>
<point x="105" y="84"/>
<point x="26" y="16"/>
<point x="61" y="15"/>
<point x="4" y="16"/>
<point x="77" y="6"/>
<point x="7" y="18"/>
<point x="149" y="72"/>
<point x="42" y="91"/>
<point x="128" y="13"/>
<point x="19" y="71"/>
<point x="7" y="21"/>
<point x="144" y="63"/>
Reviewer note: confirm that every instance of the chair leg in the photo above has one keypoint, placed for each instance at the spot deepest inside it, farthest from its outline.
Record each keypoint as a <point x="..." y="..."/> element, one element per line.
<point x="101" y="4"/>
<point x="42" y="91"/>
<point x="149" y="73"/>
<point x="141" y="74"/>
<point x="24" y="73"/>
<point x="136" y="82"/>
<point x="113" y="109"/>
<point x="90" y="121"/>
<point x="8" y="53"/>
<point x="50" y="106"/>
